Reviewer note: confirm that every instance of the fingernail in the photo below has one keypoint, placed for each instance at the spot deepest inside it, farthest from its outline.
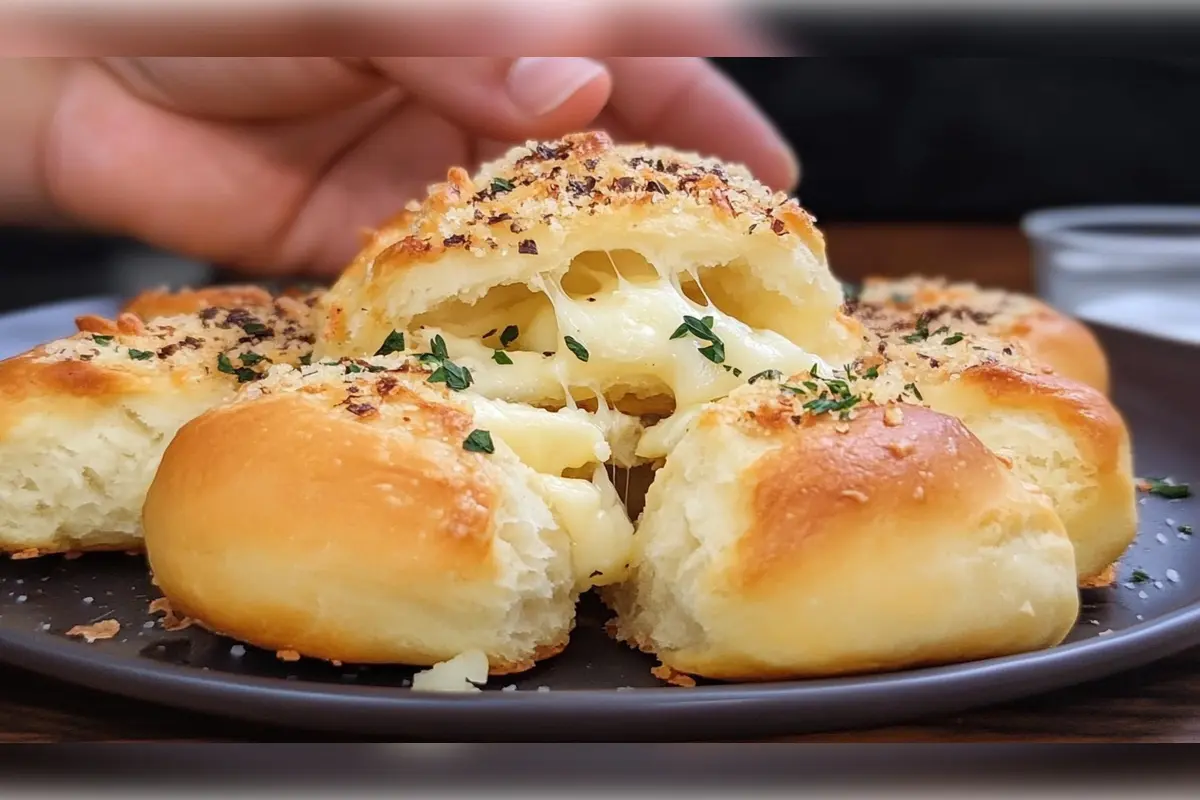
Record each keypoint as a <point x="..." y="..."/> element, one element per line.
<point x="539" y="85"/>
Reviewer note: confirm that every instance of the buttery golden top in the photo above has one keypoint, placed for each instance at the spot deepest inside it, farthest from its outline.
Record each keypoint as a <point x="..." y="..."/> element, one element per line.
<point x="586" y="174"/>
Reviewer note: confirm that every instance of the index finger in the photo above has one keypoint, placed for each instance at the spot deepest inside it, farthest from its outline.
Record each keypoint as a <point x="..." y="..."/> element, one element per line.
<point x="689" y="104"/>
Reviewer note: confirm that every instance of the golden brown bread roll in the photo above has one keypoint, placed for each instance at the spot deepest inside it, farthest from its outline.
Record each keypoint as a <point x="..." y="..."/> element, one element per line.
<point x="578" y="259"/>
<point x="373" y="516"/>
<point x="84" y="420"/>
<point x="1049" y="337"/>
<point x="782" y="542"/>
<point x="1061" y="435"/>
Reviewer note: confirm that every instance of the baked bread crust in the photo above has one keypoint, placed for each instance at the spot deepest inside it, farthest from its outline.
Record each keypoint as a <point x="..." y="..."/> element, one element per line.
<point x="781" y="543"/>
<point x="344" y="511"/>
<point x="84" y="420"/>
<point x="1045" y="335"/>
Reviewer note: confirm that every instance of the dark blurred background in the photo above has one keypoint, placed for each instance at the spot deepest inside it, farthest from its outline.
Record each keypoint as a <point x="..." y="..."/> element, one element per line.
<point x="883" y="137"/>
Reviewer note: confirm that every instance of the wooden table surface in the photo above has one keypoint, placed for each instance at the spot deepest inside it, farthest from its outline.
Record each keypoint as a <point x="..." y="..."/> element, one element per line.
<point x="1158" y="703"/>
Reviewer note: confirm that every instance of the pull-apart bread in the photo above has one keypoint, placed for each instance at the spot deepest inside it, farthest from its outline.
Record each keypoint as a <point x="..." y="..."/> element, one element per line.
<point x="783" y="538"/>
<point x="355" y="511"/>
<point x="84" y="420"/>
<point x="1046" y="335"/>
<point x="1060" y="434"/>
<point x="563" y="271"/>
<point x="835" y="491"/>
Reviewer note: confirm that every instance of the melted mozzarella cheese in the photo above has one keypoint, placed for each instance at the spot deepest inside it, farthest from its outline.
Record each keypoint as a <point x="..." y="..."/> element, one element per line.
<point x="595" y="520"/>
<point x="549" y="442"/>
<point x="659" y="440"/>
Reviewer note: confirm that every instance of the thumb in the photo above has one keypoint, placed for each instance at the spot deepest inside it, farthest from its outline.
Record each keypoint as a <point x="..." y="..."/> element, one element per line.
<point x="506" y="99"/>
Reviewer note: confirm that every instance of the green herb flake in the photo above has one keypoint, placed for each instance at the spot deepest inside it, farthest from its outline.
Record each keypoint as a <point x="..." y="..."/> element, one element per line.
<point x="479" y="441"/>
<point x="509" y="335"/>
<point x="352" y="368"/>
<point x="701" y="328"/>
<point x="912" y="387"/>
<point x="501" y="357"/>
<point x="501" y="185"/>
<point x="872" y="373"/>
<point x="955" y="339"/>
<point x="394" y="343"/>
<point x="455" y="377"/>
<point x="1168" y="489"/>
<point x="1139" y="576"/>
<point x="306" y="360"/>
<point x="1186" y="530"/>
<point x="766" y="375"/>
<point x="140" y="355"/>
<point x="244" y="374"/>
<point x="254" y="328"/>
<point x="575" y="347"/>
<point x="101" y="339"/>
<point x="438" y="346"/>
<point x="250" y="359"/>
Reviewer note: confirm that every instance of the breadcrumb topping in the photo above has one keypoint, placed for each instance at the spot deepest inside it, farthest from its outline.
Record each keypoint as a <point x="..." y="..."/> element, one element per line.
<point x="239" y="342"/>
<point x="543" y="184"/>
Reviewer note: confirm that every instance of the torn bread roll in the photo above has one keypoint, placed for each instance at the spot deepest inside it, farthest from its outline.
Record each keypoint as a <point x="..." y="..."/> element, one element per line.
<point x="566" y="270"/>
<point x="355" y="511"/>
<point x="1046" y="335"/>
<point x="84" y="420"/>
<point x="1060" y="434"/>
<point x="782" y="541"/>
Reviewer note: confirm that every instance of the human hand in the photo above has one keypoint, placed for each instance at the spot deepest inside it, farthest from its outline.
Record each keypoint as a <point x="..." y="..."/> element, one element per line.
<point x="276" y="164"/>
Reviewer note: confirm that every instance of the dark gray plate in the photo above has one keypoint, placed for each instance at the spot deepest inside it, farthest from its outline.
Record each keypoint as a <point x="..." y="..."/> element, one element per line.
<point x="600" y="689"/>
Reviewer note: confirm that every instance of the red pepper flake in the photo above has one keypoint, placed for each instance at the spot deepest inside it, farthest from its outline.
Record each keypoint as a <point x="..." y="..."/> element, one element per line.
<point x="505" y="217"/>
<point x="528" y="247"/>
<point x="361" y="409"/>
<point x="454" y="241"/>
<point x="778" y="227"/>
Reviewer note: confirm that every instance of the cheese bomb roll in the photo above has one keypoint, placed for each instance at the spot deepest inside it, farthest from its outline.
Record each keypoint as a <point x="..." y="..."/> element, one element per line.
<point x="577" y="267"/>
<point x="84" y="420"/>
<point x="1061" y="435"/>
<point x="1047" y="336"/>
<point x="355" y="511"/>
<point x="783" y="540"/>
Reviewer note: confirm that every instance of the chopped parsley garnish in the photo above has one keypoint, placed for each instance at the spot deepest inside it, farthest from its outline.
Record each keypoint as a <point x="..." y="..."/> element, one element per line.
<point x="306" y="359"/>
<point x="871" y="373"/>
<point x="140" y="355"/>
<point x="941" y="330"/>
<point x="352" y="368"/>
<point x="394" y="343"/>
<point x="912" y="387"/>
<point x="1185" y="530"/>
<point x="824" y="404"/>
<point x="454" y="376"/>
<point x="509" y="335"/>
<point x="244" y="374"/>
<point x="955" y="339"/>
<point x="101" y="339"/>
<point x="922" y="331"/>
<point x="479" y="441"/>
<point x="254" y="328"/>
<point x="1168" y="489"/>
<point x="1139" y="576"/>
<point x="501" y="185"/>
<point x="575" y="347"/>
<point x="250" y="359"/>
<point x="714" y="351"/>
<point x="501" y="357"/>
<point x="767" y="374"/>
<point x="737" y="373"/>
